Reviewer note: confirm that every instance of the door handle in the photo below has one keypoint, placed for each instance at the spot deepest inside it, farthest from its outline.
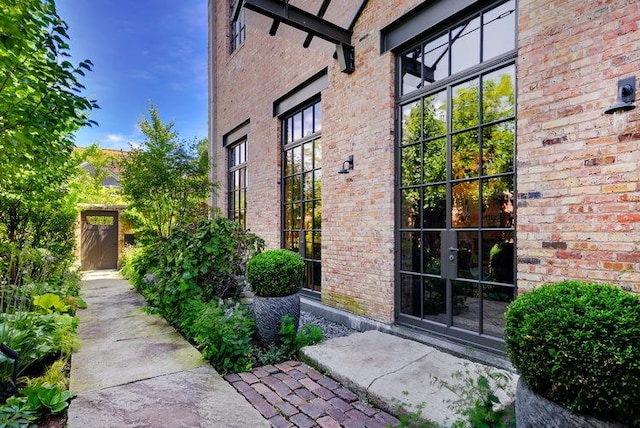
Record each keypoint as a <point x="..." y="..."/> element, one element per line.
<point x="454" y="249"/>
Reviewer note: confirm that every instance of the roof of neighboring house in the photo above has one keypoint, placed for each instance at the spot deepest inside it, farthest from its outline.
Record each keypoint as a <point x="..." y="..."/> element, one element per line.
<point x="114" y="168"/>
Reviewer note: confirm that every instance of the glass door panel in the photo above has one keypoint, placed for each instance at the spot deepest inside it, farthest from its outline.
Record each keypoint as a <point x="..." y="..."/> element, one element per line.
<point x="456" y="177"/>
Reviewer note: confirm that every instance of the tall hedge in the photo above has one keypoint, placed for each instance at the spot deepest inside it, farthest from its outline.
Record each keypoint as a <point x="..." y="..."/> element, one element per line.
<point x="578" y="344"/>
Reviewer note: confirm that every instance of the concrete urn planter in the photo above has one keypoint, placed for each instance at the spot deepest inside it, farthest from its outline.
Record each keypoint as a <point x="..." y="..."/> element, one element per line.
<point x="534" y="411"/>
<point x="268" y="313"/>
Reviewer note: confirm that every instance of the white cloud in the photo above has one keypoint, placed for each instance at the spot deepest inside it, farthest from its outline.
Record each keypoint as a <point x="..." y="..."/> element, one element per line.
<point x="115" y="138"/>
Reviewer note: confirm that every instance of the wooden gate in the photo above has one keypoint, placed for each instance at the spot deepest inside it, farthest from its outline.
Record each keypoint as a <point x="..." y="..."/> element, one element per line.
<point x="99" y="240"/>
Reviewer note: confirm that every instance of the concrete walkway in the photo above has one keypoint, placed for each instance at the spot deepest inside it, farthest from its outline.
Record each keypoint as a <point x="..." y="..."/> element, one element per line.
<point x="135" y="370"/>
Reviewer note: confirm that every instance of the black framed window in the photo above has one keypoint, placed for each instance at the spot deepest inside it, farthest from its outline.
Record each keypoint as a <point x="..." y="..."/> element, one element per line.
<point x="302" y="189"/>
<point x="237" y="182"/>
<point x="237" y="29"/>
<point x="456" y="167"/>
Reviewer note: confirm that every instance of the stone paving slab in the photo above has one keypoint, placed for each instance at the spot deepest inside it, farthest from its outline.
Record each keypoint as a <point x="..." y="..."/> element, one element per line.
<point x="393" y="372"/>
<point x="134" y="370"/>
<point x="191" y="398"/>
<point x="103" y="364"/>
<point x="292" y="394"/>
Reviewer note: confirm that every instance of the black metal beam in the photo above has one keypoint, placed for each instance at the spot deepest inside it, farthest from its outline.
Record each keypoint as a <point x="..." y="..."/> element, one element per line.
<point x="323" y="9"/>
<point x="346" y="58"/>
<point x="300" y="19"/>
<point x="235" y="9"/>
<point x="274" y="27"/>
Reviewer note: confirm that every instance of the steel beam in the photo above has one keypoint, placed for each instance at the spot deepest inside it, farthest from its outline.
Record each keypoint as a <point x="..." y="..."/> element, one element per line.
<point x="300" y="19"/>
<point x="235" y="9"/>
<point x="323" y="9"/>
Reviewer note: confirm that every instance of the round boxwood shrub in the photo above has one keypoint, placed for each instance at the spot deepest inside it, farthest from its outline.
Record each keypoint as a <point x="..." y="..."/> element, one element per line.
<point x="275" y="273"/>
<point x="578" y="344"/>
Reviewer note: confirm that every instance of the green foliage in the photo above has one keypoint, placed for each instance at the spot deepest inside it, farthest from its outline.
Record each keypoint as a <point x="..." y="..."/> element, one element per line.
<point x="49" y="303"/>
<point x="26" y="271"/>
<point x="54" y="375"/>
<point x="139" y="261"/>
<point x="478" y="403"/>
<point x="40" y="106"/>
<point x="17" y="413"/>
<point x="578" y="344"/>
<point x="293" y="340"/>
<point x="275" y="273"/>
<point x="410" y="415"/>
<point x="87" y="185"/>
<point x="165" y="181"/>
<point x="222" y="331"/>
<point x="271" y="355"/>
<point x="203" y="261"/>
<point x="36" y="338"/>
<point x="47" y="398"/>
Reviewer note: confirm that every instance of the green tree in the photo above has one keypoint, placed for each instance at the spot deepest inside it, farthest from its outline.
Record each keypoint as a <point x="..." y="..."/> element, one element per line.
<point x="40" y="106"/>
<point x="96" y="166"/>
<point x="165" y="180"/>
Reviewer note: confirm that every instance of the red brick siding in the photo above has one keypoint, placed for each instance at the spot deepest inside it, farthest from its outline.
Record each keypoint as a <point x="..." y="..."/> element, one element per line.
<point x="578" y="181"/>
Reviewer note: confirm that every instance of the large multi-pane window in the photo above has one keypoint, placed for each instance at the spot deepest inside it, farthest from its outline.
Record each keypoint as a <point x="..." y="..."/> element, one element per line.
<point x="237" y="30"/>
<point x="302" y="189"/>
<point x="237" y="182"/>
<point x="456" y="154"/>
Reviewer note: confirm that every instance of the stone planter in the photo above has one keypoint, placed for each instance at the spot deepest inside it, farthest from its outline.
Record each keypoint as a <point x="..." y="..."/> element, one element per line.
<point x="534" y="411"/>
<point x="268" y="313"/>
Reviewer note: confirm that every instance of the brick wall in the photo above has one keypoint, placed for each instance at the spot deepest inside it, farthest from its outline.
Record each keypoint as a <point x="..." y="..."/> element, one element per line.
<point x="357" y="223"/>
<point x="578" y="180"/>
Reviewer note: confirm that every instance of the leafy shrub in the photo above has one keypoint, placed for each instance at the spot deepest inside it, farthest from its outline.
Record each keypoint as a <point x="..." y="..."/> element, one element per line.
<point x="293" y="340"/>
<point x="204" y="261"/>
<point x="275" y="273"/>
<point x="138" y="262"/>
<point x="16" y="413"/>
<point x="222" y="331"/>
<point x="270" y="356"/>
<point x="578" y="344"/>
<point x="36" y="338"/>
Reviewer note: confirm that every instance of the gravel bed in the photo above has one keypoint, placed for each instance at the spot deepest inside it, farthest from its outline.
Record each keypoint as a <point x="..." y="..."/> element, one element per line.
<point x="329" y="328"/>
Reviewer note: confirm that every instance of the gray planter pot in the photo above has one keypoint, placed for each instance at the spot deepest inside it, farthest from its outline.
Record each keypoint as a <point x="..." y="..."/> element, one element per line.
<point x="534" y="411"/>
<point x="268" y="313"/>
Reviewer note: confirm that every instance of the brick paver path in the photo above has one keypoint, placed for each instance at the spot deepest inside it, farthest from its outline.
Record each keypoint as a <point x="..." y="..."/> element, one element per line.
<point x="292" y="394"/>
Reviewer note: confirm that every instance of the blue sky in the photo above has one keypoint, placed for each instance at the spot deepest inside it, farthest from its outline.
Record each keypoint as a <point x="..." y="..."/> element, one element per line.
<point x="143" y="51"/>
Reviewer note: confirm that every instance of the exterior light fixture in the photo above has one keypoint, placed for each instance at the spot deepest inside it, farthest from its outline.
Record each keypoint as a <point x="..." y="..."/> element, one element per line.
<point x="625" y="101"/>
<point x="347" y="165"/>
<point x="13" y="355"/>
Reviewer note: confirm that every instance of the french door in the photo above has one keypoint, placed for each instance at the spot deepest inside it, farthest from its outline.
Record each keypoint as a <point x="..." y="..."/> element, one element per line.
<point x="456" y="233"/>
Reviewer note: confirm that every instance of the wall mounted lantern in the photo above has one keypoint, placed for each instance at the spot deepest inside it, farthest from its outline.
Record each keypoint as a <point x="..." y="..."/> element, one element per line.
<point x="13" y="355"/>
<point x="347" y="165"/>
<point x="625" y="101"/>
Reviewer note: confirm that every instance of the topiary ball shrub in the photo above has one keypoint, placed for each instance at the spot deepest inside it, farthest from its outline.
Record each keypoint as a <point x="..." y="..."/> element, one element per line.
<point x="578" y="345"/>
<point x="275" y="273"/>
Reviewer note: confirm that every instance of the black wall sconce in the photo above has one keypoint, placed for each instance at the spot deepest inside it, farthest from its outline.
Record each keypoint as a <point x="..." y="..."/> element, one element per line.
<point x="625" y="101"/>
<point x="347" y="165"/>
<point x="13" y="382"/>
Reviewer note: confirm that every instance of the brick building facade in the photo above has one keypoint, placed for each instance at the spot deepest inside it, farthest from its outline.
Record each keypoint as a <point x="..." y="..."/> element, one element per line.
<point x="481" y="161"/>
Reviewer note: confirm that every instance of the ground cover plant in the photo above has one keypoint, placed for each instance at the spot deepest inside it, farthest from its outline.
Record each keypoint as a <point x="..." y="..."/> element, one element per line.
<point x="578" y="345"/>
<point x="38" y="302"/>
